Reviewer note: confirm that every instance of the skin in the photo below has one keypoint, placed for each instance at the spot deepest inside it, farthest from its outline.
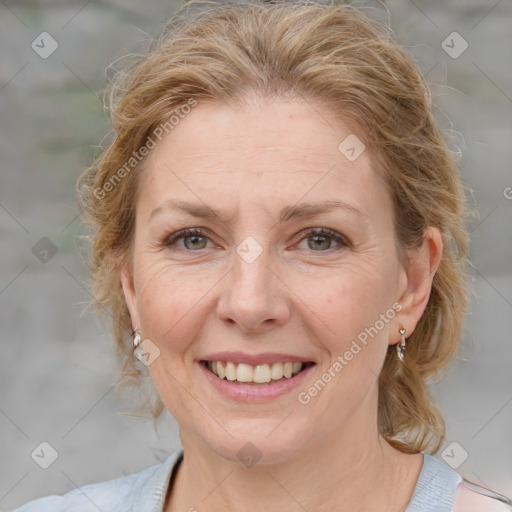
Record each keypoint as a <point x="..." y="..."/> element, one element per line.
<point x="249" y="162"/>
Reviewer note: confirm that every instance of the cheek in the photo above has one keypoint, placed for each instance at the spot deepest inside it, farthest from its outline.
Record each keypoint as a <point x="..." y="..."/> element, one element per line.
<point x="350" y="300"/>
<point x="355" y="305"/>
<point x="356" y="343"/>
<point x="170" y="302"/>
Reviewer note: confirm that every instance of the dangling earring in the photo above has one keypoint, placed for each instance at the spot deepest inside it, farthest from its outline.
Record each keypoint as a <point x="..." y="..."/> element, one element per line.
<point x="400" y="348"/>
<point x="136" y="337"/>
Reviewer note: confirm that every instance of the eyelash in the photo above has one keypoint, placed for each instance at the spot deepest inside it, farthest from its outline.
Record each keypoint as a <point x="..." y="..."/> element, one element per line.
<point x="342" y="241"/>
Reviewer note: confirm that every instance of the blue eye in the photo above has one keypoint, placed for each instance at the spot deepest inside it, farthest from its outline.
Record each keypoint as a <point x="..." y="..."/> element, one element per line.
<point x="320" y="236"/>
<point x="195" y="239"/>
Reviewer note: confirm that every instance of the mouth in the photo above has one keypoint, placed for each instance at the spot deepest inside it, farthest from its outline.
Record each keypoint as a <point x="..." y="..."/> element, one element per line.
<point x="256" y="375"/>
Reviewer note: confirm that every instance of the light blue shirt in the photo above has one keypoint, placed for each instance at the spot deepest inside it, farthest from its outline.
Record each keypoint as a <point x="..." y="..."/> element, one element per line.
<point x="146" y="491"/>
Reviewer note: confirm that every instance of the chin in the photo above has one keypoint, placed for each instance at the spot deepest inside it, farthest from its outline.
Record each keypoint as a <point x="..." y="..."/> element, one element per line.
<point x="263" y="444"/>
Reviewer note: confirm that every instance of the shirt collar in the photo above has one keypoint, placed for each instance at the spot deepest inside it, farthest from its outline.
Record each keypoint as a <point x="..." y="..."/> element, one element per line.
<point x="435" y="488"/>
<point x="150" y="486"/>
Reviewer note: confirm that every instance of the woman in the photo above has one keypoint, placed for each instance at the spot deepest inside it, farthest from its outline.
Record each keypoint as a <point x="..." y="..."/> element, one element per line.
<point x="279" y="226"/>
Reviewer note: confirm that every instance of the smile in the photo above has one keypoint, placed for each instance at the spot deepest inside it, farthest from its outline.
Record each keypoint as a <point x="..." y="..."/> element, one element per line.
<point x="278" y="379"/>
<point x="258" y="374"/>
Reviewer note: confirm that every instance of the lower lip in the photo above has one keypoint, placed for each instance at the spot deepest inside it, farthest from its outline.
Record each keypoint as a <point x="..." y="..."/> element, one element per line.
<point x="251" y="392"/>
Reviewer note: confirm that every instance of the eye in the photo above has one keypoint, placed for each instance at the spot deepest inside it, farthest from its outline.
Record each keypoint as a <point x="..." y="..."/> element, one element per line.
<point x="320" y="239"/>
<point x="194" y="239"/>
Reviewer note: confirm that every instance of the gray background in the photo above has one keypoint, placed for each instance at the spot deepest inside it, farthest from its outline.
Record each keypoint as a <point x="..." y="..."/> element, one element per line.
<point x="58" y="374"/>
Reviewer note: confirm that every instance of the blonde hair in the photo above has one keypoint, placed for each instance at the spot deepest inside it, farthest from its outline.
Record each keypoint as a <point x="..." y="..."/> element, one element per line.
<point x="333" y="55"/>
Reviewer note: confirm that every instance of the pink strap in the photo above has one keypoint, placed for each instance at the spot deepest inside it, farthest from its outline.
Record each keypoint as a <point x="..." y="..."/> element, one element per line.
<point x="467" y="500"/>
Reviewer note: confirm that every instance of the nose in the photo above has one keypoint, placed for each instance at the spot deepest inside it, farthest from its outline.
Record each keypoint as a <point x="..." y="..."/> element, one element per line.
<point x="254" y="296"/>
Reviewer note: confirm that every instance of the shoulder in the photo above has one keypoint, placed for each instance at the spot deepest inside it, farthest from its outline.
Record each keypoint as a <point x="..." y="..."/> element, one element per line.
<point x="473" y="498"/>
<point x="442" y="489"/>
<point x="98" y="496"/>
<point x="145" y="489"/>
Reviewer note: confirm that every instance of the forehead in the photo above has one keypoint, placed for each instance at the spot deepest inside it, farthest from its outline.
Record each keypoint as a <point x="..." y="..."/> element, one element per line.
<point x="260" y="152"/>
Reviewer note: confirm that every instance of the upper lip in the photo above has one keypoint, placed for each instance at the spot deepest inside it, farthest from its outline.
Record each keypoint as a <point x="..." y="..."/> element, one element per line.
<point x="255" y="359"/>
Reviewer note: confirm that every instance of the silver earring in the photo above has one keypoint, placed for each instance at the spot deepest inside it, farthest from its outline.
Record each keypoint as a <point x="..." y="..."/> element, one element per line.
<point x="400" y="348"/>
<point x="136" y="337"/>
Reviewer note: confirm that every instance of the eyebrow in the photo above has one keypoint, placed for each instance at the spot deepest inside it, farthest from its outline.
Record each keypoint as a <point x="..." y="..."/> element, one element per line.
<point x="298" y="211"/>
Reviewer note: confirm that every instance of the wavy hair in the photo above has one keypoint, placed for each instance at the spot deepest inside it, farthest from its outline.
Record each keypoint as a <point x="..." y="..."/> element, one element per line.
<point x="342" y="59"/>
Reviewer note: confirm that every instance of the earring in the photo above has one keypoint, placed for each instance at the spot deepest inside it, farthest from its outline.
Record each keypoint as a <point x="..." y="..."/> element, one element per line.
<point x="400" y="348"/>
<point x="136" y="337"/>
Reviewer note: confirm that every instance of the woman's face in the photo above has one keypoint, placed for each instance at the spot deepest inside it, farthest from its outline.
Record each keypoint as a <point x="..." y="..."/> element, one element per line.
<point x="258" y="285"/>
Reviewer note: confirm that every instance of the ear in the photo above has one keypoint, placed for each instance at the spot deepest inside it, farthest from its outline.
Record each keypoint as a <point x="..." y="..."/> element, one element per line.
<point x="128" y="285"/>
<point x="423" y="264"/>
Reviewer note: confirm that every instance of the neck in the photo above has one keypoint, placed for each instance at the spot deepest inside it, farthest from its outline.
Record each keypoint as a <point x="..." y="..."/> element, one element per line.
<point x="358" y="469"/>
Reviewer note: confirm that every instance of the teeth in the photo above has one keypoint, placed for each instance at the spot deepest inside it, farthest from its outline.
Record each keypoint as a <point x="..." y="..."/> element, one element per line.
<point x="277" y="371"/>
<point x="220" y="370"/>
<point x="230" y="371"/>
<point x="260" y="374"/>
<point x="244" y="373"/>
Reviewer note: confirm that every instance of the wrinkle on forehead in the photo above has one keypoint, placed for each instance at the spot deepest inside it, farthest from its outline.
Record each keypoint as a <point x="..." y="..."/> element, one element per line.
<point x="222" y="153"/>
